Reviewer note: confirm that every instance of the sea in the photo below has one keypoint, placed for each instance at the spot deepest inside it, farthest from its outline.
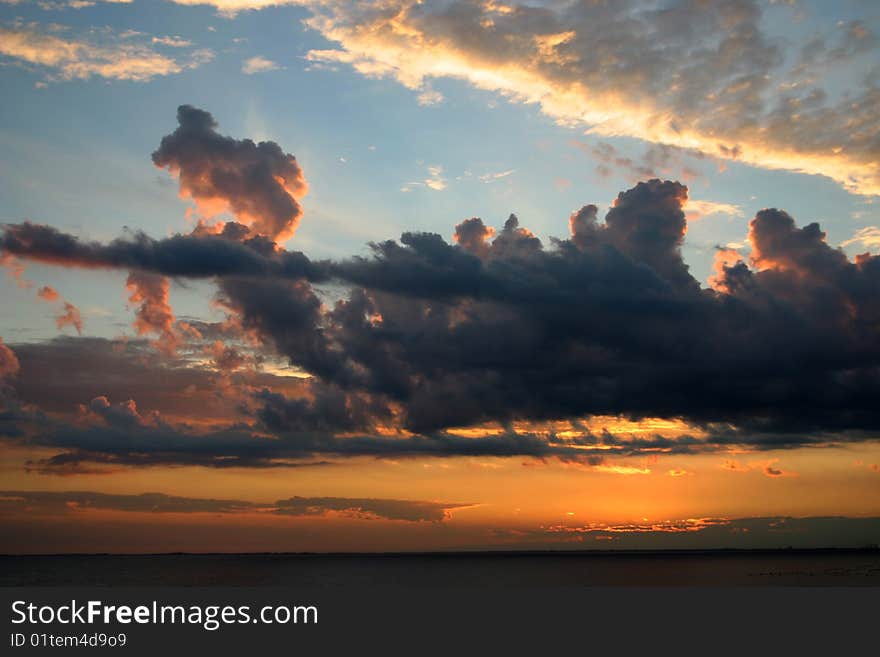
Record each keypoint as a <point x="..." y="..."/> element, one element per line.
<point x="483" y="570"/>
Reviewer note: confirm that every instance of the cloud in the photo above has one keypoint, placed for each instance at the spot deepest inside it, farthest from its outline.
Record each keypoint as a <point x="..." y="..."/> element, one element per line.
<point x="867" y="237"/>
<point x="422" y="336"/>
<point x="500" y="328"/>
<point x="705" y="77"/>
<point x="765" y="467"/>
<point x="658" y="160"/>
<point x="69" y="58"/>
<point x="69" y="502"/>
<point x="9" y="365"/>
<point x="233" y="251"/>
<point x="429" y="96"/>
<point x="47" y="293"/>
<point x="772" y="532"/>
<point x="258" y="65"/>
<point x="66" y="502"/>
<point x="61" y="374"/>
<point x="172" y="41"/>
<point x="65" y="4"/>
<point x="229" y="8"/>
<point x="492" y="177"/>
<point x="697" y="209"/>
<point x="70" y="317"/>
<point x="406" y="510"/>
<point x="435" y="180"/>
<point x="154" y="313"/>
<point x="473" y="236"/>
<point x="259" y="183"/>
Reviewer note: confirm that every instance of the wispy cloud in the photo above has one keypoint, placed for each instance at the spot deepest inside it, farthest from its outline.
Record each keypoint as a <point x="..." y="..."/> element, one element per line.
<point x="867" y="237"/>
<point x="492" y="177"/>
<point x="435" y="181"/>
<point x="98" y="55"/>
<point x="172" y="41"/>
<point x="697" y="209"/>
<point x="230" y="8"/>
<point x="56" y="5"/>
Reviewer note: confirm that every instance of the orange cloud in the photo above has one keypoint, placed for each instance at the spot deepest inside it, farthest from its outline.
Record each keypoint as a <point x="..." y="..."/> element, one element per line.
<point x="259" y="183"/>
<point x="724" y="258"/>
<point x="9" y="365"/>
<point x="619" y="73"/>
<point x="72" y="59"/>
<point x="47" y="293"/>
<point x="154" y="314"/>
<point x="70" y="317"/>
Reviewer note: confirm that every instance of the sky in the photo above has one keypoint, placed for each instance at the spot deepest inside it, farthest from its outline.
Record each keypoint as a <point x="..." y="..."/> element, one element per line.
<point x="285" y="275"/>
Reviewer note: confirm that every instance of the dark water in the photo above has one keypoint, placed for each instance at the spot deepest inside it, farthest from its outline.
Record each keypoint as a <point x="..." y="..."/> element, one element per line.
<point x="461" y="570"/>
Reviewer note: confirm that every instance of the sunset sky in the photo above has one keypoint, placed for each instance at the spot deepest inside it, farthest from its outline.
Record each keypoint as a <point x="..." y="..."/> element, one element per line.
<point x="285" y="275"/>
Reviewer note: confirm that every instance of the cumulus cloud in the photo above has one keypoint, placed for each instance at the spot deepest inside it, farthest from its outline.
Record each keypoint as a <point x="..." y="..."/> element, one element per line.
<point x="473" y="236"/>
<point x="259" y="183"/>
<point x="499" y="328"/>
<point x="423" y="336"/>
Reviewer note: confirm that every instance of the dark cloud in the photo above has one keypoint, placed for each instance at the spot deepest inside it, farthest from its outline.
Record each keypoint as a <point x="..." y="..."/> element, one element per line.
<point x="196" y="255"/>
<point x="259" y="183"/>
<point x="501" y="328"/>
<point x="53" y="502"/>
<point x="329" y="409"/>
<point x="74" y="501"/>
<point x="408" y="510"/>
<point x="60" y="374"/>
<point x="287" y="313"/>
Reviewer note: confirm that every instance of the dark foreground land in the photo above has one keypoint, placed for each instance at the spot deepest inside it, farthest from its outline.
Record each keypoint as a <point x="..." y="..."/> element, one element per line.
<point x="499" y="570"/>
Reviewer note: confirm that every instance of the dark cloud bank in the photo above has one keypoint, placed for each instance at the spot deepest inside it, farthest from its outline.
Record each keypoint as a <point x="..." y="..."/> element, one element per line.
<point x="781" y="351"/>
<point x="52" y="502"/>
